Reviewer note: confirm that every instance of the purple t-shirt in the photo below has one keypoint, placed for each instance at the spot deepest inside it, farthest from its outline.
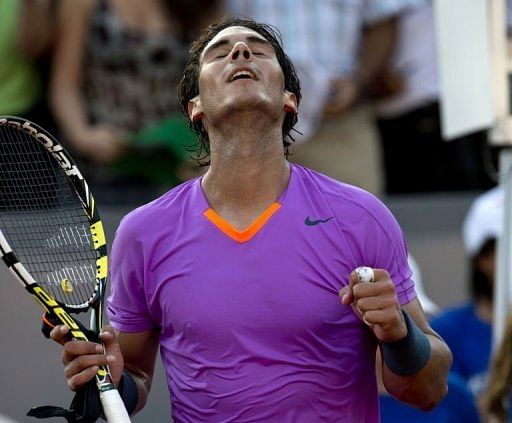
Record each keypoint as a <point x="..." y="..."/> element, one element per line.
<point x="251" y="325"/>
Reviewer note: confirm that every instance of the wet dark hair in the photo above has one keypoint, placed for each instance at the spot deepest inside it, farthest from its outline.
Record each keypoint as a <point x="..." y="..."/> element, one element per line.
<point x="481" y="287"/>
<point x="188" y="87"/>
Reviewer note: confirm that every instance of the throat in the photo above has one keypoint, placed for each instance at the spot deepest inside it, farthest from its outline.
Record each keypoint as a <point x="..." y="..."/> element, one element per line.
<point x="240" y="194"/>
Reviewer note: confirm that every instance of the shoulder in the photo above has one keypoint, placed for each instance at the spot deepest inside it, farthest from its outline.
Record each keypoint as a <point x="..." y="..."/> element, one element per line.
<point x="363" y="220"/>
<point x="349" y="203"/>
<point x="336" y="191"/>
<point x="163" y="210"/>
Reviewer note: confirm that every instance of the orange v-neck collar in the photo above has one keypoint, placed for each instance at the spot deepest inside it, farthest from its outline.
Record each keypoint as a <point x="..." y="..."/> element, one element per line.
<point x="241" y="236"/>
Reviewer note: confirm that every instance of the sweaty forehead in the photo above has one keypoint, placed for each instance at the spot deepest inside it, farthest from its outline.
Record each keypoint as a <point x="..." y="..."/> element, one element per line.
<point x="233" y="34"/>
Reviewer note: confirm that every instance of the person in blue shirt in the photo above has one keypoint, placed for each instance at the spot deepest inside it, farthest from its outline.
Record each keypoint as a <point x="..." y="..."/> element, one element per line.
<point x="467" y="328"/>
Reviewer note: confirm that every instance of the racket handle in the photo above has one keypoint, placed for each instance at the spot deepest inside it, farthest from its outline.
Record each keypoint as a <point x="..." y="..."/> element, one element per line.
<point x="113" y="407"/>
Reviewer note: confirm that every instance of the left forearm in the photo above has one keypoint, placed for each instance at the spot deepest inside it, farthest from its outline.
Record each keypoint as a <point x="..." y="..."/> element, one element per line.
<point x="426" y="388"/>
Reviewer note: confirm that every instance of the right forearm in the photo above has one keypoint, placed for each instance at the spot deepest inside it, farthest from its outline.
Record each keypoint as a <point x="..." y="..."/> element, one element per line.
<point x="131" y="392"/>
<point x="135" y="392"/>
<point x="139" y="352"/>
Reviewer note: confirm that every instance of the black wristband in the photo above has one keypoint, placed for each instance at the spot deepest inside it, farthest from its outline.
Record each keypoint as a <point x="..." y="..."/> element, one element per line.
<point x="128" y="391"/>
<point x="410" y="354"/>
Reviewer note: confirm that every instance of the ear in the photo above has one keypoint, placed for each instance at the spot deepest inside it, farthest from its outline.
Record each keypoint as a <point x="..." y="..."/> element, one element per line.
<point x="195" y="109"/>
<point x="290" y="102"/>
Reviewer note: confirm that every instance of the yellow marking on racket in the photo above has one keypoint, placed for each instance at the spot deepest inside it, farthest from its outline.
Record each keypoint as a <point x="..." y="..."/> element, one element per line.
<point x="98" y="235"/>
<point x="66" y="285"/>
<point x="102" y="267"/>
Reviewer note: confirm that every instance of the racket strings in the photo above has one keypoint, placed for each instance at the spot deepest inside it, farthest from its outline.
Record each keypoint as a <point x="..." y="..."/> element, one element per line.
<point x="43" y="219"/>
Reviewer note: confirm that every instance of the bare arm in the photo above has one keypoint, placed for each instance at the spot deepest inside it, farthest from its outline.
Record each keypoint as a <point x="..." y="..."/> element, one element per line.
<point x="426" y="388"/>
<point x="377" y="46"/>
<point x="139" y="353"/>
<point x="100" y="143"/>
<point x="377" y="305"/>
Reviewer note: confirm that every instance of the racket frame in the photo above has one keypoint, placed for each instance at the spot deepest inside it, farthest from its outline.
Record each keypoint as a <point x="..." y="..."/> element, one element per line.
<point x="113" y="405"/>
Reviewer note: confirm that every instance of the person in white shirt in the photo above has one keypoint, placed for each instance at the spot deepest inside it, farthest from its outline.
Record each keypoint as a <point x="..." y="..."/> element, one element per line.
<point x="338" y="47"/>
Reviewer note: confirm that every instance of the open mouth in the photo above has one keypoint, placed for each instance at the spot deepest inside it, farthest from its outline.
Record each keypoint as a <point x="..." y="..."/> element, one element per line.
<point x="242" y="74"/>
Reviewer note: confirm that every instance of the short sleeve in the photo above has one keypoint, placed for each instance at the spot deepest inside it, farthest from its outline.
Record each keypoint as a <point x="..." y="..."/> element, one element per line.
<point x="127" y="307"/>
<point x="376" y="240"/>
<point x="390" y="252"/>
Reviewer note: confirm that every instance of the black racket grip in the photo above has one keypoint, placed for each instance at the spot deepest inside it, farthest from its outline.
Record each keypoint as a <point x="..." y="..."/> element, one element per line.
<point x="50" y="321"/>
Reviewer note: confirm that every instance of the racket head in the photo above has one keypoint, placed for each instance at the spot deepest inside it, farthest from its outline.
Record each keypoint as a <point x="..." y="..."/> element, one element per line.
<point x="48" y="217"/>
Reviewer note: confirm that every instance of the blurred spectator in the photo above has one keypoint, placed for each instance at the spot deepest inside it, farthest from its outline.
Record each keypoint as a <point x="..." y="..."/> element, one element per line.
<point x="26" y="37"/>
<point x="338" y="47"/>
<point x="497" y="399"/>
<point x="409" y="118"/>
<point x="467" y="329"/>
<point x="117" y="65"/>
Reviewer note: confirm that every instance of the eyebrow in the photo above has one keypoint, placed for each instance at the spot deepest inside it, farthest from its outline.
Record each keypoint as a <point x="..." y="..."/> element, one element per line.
<point x="225" y="41"/>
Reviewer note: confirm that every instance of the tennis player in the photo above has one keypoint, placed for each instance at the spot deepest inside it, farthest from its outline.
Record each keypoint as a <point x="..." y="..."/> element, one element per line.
<point x="244" y="278"/>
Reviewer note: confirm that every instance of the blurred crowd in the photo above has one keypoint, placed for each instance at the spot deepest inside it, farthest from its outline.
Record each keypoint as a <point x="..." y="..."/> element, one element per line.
<point x="102" y="75"/>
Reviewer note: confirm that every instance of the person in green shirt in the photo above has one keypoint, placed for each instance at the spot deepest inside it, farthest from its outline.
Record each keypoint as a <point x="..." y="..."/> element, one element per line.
<point x="26" y="34"/>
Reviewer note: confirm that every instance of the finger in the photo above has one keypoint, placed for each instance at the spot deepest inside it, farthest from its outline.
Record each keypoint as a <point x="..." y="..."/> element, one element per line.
<point x="80" y="379"/>
<point x="382" y="285"/>
<point x="60" y="334"/>
<point x="360" y="276"/>
<point x="75" y="349"/>
<point x="109" y="338"/>
<point x="376" y="317"/>
<point x="108" y="334"/>
<point x="380" y="275"/>
<point x="375" y="303"/>
<point x="346" y="295"/>
<point x="84" y="362"/>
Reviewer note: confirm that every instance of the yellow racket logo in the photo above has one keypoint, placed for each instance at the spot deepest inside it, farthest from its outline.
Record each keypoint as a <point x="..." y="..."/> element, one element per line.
<point x="66" y="286"/>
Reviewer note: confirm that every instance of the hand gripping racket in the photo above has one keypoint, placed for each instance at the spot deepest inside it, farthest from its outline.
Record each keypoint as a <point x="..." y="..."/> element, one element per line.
<point x="51" y="236"/>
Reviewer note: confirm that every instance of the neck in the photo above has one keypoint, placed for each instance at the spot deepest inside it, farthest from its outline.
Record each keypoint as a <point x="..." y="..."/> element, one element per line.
<point x="248" y="171"/>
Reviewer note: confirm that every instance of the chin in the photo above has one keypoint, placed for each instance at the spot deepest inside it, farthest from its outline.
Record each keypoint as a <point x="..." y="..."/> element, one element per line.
<point x="251" y="102"/>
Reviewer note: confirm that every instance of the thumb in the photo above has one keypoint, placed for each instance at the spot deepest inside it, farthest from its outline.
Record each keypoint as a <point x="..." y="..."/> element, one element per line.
<point x="113" y="352"/>
<point x="108" y="336"/>
<point x="346" y="295"/>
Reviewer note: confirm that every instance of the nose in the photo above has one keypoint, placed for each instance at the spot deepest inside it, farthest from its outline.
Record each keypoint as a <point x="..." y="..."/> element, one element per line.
<point x="241" y="51"/>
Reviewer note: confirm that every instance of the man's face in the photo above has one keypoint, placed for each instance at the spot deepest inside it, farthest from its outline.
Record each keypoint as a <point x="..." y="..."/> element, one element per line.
<point x="239" y="70"/>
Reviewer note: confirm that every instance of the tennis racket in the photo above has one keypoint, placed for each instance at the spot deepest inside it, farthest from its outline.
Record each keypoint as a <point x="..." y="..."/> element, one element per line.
<point x="51" y="236"/>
